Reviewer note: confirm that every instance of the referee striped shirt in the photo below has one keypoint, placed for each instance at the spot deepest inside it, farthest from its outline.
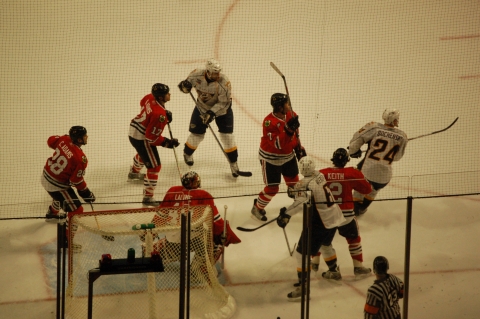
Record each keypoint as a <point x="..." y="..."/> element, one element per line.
<point x="382" y="298"/>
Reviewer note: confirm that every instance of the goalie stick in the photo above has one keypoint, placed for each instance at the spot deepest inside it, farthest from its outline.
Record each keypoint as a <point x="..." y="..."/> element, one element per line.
<point x="253" y="229"/>
<point x="240" y="173"/>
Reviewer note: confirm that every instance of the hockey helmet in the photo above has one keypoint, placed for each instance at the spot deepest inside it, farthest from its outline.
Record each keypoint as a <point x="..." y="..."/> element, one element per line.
<point x="278" y="100"/>
<point x="159" y="90"/>
<point x="77" y="132"/>
<point x="306" y="166"/>
<point x="340" y="157"/>
<point x="191" y="180"/>
<point x="213" y="66"/>
<point x="380" y="265"/>
<point x="390" y="115"/>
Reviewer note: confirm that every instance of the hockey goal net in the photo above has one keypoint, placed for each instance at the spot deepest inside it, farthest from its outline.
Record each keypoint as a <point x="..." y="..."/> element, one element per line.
<point x="144" y="295"/>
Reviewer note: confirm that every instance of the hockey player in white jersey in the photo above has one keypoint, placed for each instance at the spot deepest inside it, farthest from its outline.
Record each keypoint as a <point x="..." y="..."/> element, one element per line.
<point x="326" y="217"/>
<point x="214" y="102"/>
<point x="386" y="144"/>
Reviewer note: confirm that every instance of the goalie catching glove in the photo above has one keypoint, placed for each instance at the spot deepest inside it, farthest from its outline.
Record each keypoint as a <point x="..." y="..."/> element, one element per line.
<point x="87" y="195"/>
<point x="169" y="143"/>
<point x="283" y="218"/>
<point x="185" y="86"/>
<point x="230" y="237"/>
<point x="292" y="125"/>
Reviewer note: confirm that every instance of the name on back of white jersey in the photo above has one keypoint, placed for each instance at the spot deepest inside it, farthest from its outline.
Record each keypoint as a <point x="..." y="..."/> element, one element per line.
<point x="391" y="135"/>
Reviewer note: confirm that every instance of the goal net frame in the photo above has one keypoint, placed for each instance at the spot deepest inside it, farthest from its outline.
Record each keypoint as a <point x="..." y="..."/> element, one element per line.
<point x="146" y="295"/>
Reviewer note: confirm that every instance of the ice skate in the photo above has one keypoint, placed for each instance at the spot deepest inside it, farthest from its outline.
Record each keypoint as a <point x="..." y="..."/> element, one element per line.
<point x="315" y="266"/>
<point x="188" y="159"/>
<point x="135" y="177"/>
<point x="149" y="201"/>
<point x="258" y="214"/>
<point x="361" y="272"/>
<point x="234" y="168"/>
<point x="333" y="275"/>
<point x="54" y="218"/>
<point x="295" y="295"/>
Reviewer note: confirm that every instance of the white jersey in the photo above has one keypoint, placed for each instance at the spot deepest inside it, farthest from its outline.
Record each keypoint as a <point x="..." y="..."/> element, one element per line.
<point x="214" y="96"/>
<point x="385" y="145"/>
<point x="330" y="213"/>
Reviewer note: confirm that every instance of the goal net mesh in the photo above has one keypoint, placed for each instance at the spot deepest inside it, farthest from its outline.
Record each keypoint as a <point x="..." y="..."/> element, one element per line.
<point x="144" y="295"/>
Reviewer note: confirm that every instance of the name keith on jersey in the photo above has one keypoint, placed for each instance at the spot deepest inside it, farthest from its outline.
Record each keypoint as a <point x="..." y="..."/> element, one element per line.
<point x="389" y="135"/>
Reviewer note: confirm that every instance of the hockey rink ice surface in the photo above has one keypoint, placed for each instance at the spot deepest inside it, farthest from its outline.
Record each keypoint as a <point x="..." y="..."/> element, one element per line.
<point x="434" y="51"/>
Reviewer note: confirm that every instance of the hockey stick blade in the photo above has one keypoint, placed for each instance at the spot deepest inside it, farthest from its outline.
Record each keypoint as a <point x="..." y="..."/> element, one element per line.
<point x="277" y="70"/>
<point x="244" y="174"/>
<point x="253" y="229"/>
<point x="414" y="138"/>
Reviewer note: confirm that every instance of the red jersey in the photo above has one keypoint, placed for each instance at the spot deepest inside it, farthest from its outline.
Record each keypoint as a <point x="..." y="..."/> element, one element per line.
<point x="66" y="167"/>
<point x="180" y="196"/>
<point x="276" y="146"/>
<point x="342" y="181"/>
<point x="150" y="123"/>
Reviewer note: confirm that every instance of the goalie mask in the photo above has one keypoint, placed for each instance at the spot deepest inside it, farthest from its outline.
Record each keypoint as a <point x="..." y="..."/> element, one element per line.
<point x="390" y="115"/>
<point x="306" y="166"/>
<point x="340" y="157"/>
<point x="191" y="180"/>
<point x="77" y="132"/>
<point x="380" y="265"/>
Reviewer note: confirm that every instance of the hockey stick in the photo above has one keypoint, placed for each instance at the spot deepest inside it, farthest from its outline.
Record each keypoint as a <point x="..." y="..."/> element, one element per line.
<point x="288" y="243"/>
<point x="240" y="173"/>
<point x="414" y="138"/>
<point x="253" y="229"/>
<point x="428" y="134"/>
<point x="174" y="152"/>
<point x="107" y="238"/>
<point x="288" y="94"/>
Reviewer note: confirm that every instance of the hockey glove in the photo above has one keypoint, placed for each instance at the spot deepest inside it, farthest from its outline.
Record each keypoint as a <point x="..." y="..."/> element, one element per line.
<point x="283" y="218"/>
<point x="169" y="143"/>
<point x="208" y="117"/>
<point x="292" y="125"/>
<point x="87" y="195"/>
<point x="169" y="117"/>
<point x="300" y="152"/>
<point x="185" y="86"/>
<point x="357" y="154"/>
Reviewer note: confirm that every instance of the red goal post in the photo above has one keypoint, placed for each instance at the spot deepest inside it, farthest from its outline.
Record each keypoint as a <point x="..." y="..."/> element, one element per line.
<point x="152" y="295"/>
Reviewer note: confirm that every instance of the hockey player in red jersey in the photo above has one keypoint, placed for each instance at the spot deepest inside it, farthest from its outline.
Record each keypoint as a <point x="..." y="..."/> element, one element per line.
<point x="342" y="181"/>
<point x="145" y="135"/>
<point x="190" y="194"/>
<point x="64" y="169"/>
<point x="278" y="147"/>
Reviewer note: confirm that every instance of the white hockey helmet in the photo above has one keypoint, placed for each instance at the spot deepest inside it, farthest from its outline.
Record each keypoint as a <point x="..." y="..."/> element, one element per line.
<point x="213" y="66"/>
<point x="390" y="115"/>
<point x="306" y="166"/>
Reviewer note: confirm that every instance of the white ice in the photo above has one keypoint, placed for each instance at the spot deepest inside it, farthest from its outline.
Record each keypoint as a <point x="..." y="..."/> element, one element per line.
<point x="65" y="64"/>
